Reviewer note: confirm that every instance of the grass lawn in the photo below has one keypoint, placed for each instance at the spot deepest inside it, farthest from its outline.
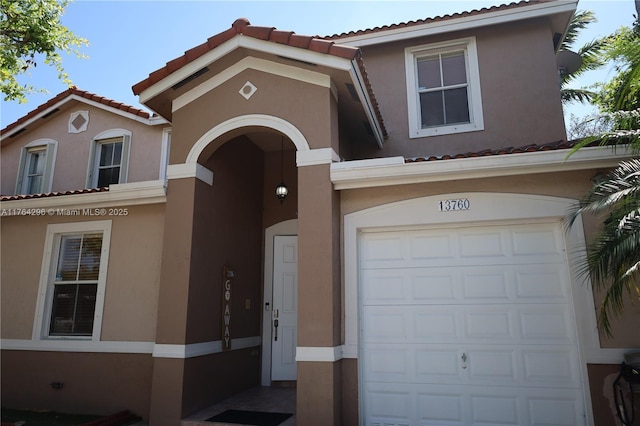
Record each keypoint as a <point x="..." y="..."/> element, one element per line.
<point x="44" y="418"/>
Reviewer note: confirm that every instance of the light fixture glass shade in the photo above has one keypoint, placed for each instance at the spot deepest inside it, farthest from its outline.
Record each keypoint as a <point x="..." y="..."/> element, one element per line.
<point x="281" y="191"/>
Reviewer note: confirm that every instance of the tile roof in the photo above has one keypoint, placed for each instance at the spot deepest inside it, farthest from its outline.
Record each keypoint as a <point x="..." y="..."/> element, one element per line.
<point x="52" y="194"/>
<point x="242" y="26"/>
<point x="82" y="93"/>
<point x="551" y="146"/>
<point x="435" y="19"/>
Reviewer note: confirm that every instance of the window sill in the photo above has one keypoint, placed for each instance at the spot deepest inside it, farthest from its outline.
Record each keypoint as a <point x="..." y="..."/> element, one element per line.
<point x="445" y="130"/>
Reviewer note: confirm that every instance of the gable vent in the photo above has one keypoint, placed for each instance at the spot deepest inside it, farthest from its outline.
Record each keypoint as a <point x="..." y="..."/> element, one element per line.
<point x="190" y="78"/>
<point x="18" y="132"/>
<point x="50" y="113"/>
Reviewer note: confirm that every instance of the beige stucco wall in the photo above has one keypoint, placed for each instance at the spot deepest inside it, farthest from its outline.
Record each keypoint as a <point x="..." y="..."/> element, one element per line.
<point x="519" y="85"/>
<point x="72" y="158"/>
<point x="98" y="383"/>
<point x="132" y="278"/>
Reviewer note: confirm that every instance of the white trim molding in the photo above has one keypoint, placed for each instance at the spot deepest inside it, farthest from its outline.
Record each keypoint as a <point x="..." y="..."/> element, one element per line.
<point x="263" y="65"/>
<point x="318" y="354"/>
<point x="228" y="128"/>
<point x="190" y="170"/>
<point x="64" y="345"/>
<point x="394" y="170"/>
<point x="126" y="194"/>
<point x="249" y="43"/>
<point x="154" y="120"/>
<point x="316" y="156"/>
<point x="45" y="299"/>
<point x="413" y="54"/>
<point x="193" y="350"/>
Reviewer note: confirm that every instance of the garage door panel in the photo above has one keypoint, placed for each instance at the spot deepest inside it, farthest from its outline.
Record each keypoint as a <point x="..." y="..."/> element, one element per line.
<point x="500" y="324"/>
<point x="468" y="326"/>
<point x="466" y="246"/>
<point x="442" y="405"/>
<point x="489" y="284"/>
<point x="491" y="365"/>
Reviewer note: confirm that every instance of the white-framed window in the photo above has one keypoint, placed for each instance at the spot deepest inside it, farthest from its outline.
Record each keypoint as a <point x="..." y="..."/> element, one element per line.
<point x="35" y="173"/>
<point x="72" y="281"/>
<point x="443" y="88"/>
<point x="109" y="158"/>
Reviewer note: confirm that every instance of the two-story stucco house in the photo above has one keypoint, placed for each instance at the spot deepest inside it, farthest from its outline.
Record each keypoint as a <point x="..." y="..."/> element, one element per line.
<point x="416" y="271"/>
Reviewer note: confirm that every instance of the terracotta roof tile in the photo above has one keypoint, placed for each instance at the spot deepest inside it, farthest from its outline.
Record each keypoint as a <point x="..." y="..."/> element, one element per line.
<point x="552" y="146"/>
<point x="433" y="19"/>
<point x="52" y="194"/>
<point x="243" y="27"/>
<point x="82" y="93"/>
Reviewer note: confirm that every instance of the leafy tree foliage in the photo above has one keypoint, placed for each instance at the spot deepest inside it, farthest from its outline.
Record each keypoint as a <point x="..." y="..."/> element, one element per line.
<point x="31" y="30"/>
<point x="591" y="54"/>
<point x="613" y="259"/>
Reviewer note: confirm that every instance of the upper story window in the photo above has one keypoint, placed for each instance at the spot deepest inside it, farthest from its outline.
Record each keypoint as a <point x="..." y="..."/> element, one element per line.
<point x="35" y="173"/>
<point x="443" y="88"/>
<point x="109" y="158"/>
<point x="73" y="280"/>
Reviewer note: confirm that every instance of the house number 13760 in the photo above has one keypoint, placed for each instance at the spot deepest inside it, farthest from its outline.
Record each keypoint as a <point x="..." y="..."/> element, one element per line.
<point x="454" y="205"/>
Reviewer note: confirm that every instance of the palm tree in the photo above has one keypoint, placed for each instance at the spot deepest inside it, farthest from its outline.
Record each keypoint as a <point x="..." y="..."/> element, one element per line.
<point x="613" y="258"/>
<point x="591" y="54"/>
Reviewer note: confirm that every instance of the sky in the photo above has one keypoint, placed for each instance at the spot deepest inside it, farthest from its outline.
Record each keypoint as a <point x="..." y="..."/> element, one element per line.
<point x="130" y="39"/>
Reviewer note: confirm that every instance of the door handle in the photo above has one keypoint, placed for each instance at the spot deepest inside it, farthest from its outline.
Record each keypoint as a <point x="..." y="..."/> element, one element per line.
<point x="464" y="360"/>
<point x="275" y="326"/>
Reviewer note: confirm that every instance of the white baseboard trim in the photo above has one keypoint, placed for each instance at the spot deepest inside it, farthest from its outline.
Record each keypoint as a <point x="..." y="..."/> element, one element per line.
<point x="204" y="348"/>
<point x="156" y="350"/>
<point x="68" y="345"/>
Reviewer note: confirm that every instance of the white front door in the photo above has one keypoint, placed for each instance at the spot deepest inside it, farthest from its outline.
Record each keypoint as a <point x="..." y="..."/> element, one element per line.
<point x="284" y="314"/>
<point x="468" y="325"/>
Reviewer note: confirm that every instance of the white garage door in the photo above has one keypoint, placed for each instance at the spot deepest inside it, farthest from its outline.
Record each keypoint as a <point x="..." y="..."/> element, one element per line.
<point x="468" y="326"/>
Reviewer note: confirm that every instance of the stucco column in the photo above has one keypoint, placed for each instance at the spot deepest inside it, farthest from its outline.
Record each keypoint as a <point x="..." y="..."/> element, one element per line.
<point x="319" y="296"/>
<point x="171" y="324"/>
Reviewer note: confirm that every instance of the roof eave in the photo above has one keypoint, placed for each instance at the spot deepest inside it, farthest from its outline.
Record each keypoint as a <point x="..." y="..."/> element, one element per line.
<point x="152" y="120"/>
<point x="396" y="171"/>
<point x="534" y="10"/>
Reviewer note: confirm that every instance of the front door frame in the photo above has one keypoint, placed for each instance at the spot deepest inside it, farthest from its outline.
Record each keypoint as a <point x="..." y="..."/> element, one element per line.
<point x="288" y="227"/>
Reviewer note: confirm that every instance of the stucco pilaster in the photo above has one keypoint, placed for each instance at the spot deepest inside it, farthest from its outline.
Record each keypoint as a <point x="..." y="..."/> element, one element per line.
<point x="319" y="295"/>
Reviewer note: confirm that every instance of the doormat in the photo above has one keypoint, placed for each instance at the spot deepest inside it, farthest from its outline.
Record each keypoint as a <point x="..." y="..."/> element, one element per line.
<point x="256" y="418"/>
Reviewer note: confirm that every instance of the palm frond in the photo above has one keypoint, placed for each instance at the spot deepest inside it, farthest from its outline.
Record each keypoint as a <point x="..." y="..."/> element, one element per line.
<point x="613" y="258"/>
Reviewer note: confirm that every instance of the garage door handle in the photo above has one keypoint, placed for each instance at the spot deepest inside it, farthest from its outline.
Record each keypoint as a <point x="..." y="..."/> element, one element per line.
<point x="464" y="357"/>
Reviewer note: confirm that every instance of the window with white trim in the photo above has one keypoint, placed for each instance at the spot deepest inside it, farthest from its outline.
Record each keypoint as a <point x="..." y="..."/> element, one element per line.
<point x="35" y="173"/>
<point x="73" y="280"/>
<point x="108" y="159"/>
<point x="443" y="88"/>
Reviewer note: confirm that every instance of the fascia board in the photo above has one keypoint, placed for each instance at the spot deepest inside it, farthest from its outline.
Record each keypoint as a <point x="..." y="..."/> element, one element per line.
<point x="363" y="94"/>
<point x="468" y="22"/>
<point x="128" y="194"/>
<point x="241" y="41"/>
<point x="363" y="174"/>
<point x="152" y="121"/>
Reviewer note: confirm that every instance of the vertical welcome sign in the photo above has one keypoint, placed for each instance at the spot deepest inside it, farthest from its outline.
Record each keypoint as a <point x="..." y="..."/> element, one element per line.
<point x="227" y="286"/>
